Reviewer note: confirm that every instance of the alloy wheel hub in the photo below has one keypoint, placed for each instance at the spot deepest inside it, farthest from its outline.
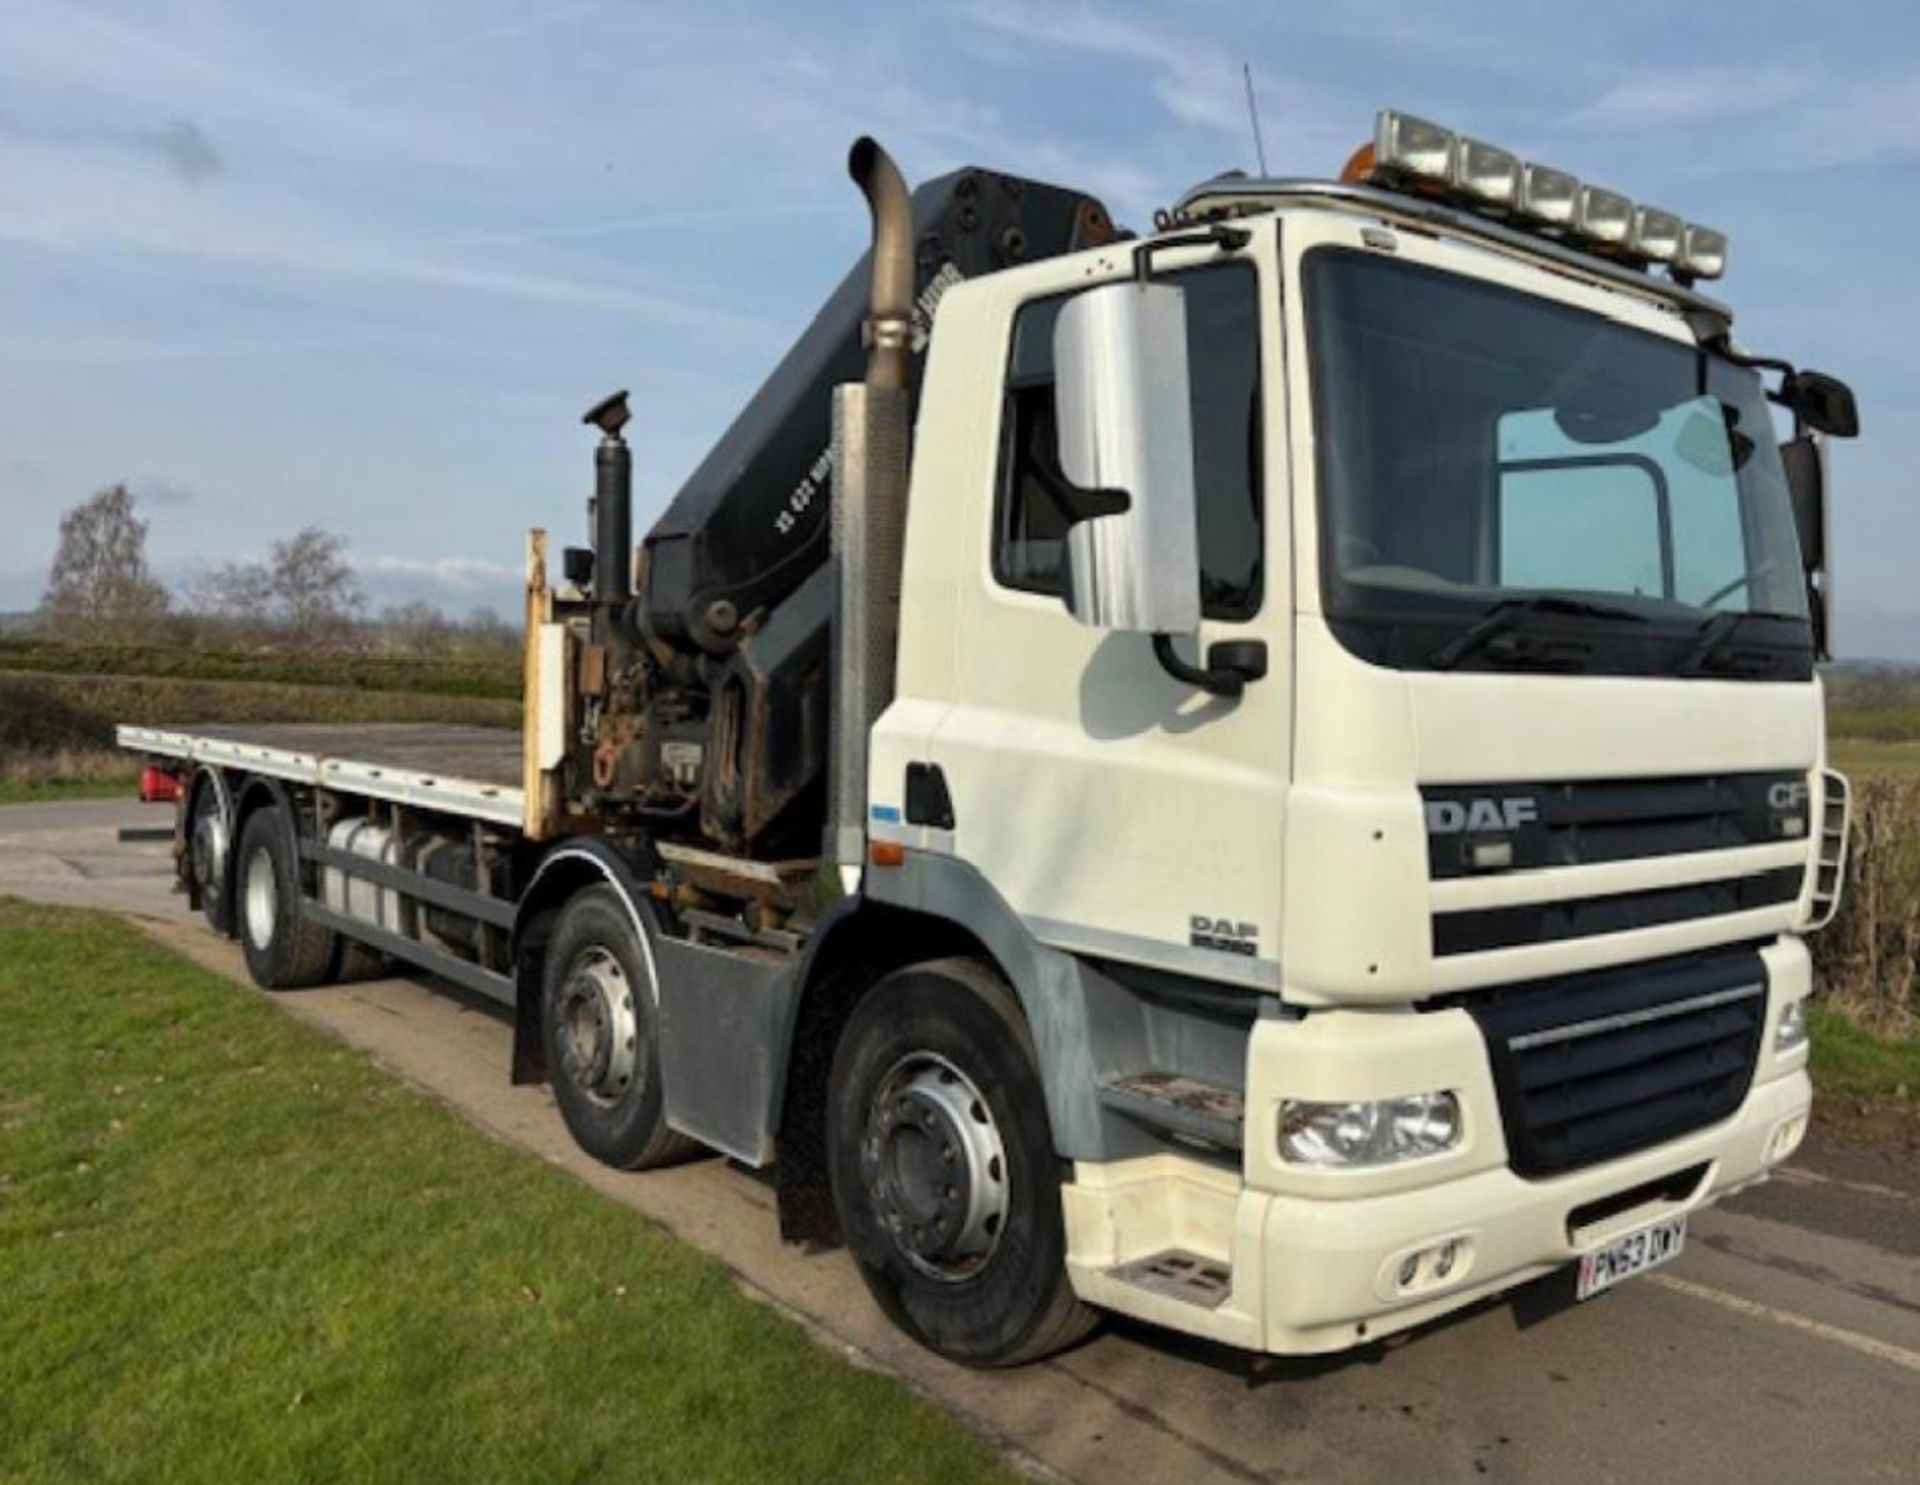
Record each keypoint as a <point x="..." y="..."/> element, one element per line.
<point x="934" y="1166"/>
<point x="599" y="1031"/>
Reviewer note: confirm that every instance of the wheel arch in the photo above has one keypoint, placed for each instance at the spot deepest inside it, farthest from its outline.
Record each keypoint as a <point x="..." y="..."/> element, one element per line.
<point x="946" y="911"/>
<point x="566" y="870"/>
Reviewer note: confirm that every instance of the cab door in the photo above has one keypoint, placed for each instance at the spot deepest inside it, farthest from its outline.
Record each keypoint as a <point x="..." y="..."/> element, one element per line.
<point x="1119" y="811"/>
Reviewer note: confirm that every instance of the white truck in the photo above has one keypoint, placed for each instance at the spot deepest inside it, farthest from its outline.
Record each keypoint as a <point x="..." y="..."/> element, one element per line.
<point x="1299" y="815"/>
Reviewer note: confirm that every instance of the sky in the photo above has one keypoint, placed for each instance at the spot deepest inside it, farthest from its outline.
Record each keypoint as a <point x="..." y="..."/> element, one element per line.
<point x="363" y="265"/>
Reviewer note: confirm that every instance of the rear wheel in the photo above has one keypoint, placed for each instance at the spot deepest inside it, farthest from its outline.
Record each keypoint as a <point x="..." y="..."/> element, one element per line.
<point x="944" y="1175"/>
<point x="285" y="949"/>
<point x="598" y="1021"/>
<point x="209" y="855"/>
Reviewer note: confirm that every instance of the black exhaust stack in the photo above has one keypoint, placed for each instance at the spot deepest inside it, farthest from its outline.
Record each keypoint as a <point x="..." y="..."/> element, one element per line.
<point x="612" y="501"/>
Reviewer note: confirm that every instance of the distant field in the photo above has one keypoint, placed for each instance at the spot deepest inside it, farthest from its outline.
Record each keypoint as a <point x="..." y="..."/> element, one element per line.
<point x="495" y="675"/>
<point x="56" y="730"/>
<point x="1856" y="756"/>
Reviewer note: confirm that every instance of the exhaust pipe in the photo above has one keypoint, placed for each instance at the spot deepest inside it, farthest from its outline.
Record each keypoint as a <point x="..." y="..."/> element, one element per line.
<point x="612" y="501"/>
<point x="889" y="327"/>
<point x="868" y="517"/>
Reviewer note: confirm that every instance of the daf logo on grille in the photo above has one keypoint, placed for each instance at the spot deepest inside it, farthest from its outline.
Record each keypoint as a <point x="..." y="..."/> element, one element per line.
<point x="1480" y="815"/>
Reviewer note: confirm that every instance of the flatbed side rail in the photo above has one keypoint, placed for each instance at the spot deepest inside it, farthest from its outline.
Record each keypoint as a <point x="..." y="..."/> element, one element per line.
<point x="467" y="798"/>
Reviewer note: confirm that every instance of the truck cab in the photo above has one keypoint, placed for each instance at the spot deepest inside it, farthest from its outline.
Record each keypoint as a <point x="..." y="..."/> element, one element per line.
<point x="1462" y="935"/>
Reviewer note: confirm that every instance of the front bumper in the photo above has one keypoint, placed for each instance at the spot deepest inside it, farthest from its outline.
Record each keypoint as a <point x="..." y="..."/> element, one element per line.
<point x="1313" y="1259"/>
<point x="1331" y="1279"/>
<point x="1309" y="1274"/>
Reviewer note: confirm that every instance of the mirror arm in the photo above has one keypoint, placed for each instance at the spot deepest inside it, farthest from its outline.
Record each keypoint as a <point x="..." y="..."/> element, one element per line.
<point x="1230" y="665"/>
<point x="1227" y="239"/>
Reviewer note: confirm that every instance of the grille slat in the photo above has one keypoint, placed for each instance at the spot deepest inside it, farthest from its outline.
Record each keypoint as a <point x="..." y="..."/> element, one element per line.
<point x="1594" y="1066"/>
<point x="1476" y="930"/>
<point x="1545" y="1066"/>
<point x="1586" y="1097"/>
<point x="1591" y="821"/>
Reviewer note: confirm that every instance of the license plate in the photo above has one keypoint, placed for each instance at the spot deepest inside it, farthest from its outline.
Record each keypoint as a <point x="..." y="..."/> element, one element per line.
<point x="1629" y="1254"/>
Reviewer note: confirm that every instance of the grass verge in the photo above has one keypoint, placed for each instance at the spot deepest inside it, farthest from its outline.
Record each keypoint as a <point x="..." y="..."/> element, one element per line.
<point x="44" y="791"/>
<point x="1852" y="1062"/>
<point x="231" y="1249"/>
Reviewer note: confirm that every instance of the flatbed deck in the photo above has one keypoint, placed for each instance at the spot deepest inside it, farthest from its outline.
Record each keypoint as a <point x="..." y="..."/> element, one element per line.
<point x="474" y="772"/>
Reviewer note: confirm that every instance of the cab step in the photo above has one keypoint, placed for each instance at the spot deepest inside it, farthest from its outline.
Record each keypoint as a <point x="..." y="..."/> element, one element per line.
<point x="1179" y="1275"/>
<point x="1184" y="1108"/>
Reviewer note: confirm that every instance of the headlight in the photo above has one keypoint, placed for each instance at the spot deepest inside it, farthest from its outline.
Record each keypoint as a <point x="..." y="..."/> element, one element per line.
<point x="1375" y="1132"/>
<point x="1791" y="1033"/>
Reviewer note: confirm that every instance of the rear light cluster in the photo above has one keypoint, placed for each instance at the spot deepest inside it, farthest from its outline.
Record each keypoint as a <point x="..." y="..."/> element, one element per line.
<point x="1410" y="153"/>
<point x="158" y="785"/>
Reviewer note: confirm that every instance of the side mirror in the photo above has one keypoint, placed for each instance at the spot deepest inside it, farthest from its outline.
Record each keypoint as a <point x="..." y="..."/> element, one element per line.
<point x="1125" y="430"/>
<point x="1805" y="466"/>
<point x="1823" y="403"/>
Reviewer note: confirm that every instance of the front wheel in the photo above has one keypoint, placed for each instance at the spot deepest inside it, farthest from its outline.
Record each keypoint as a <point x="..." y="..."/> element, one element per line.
<point x="598" y="1022"/>
<point x="944" y="1175"/>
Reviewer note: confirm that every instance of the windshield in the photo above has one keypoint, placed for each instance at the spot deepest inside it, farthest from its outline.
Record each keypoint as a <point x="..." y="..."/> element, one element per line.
<point x="1479" y="446"/>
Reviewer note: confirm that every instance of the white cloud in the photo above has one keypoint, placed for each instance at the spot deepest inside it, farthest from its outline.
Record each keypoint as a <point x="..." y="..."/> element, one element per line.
<point x="1198" y="85"/>
<point x="153" y="491"/>
<point x="78" y="196"/>
<point x="454" y="574"/>
<point x="1658" y="100"/>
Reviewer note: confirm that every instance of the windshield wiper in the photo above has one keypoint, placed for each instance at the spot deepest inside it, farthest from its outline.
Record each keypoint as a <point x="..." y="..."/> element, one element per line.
<point x="1509" y="612"/>
<point x="1715" y="635"/>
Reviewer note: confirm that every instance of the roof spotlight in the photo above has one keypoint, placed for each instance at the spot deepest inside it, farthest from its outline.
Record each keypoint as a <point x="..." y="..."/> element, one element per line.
<point x="1484" y="173"/>
<point x="1656" y="234"/>
<point x="1550" y="197"/>
<point x="1703" y="251"/>
<point x="1405" y="145"/>
<point x="1604" y="217"/>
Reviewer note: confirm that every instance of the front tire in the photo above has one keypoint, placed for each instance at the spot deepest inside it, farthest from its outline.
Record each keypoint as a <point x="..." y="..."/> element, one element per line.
<point x="285" y="949"/>
<point x="944" y="1175"/>
<point x="599" y="1021"/>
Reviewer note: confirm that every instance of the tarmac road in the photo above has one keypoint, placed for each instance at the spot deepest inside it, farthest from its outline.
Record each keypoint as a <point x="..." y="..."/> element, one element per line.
<point x="1783" y="1346"/>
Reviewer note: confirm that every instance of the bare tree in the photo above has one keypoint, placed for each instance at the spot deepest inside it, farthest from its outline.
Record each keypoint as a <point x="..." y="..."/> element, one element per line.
<point x="99" y="586"/>
<point x="415" y="628"/>
<point x="239" y="594"/>
<point x="316" y="594"/>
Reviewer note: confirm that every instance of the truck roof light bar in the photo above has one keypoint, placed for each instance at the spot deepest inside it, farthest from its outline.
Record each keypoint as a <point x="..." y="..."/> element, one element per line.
<point x="1418" y="157"/>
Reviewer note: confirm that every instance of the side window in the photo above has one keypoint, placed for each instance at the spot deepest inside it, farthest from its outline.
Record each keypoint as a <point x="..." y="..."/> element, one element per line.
<point x="1033" y="506"/>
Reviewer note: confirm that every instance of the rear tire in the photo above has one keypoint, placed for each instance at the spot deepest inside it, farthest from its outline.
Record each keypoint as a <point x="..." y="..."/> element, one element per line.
<point x="210" y="855"/>
<point x="599" y="1022"/>
<point x="355" y="962"/>
<point x="285" y="949"/>
<point x="944" y="1175"/>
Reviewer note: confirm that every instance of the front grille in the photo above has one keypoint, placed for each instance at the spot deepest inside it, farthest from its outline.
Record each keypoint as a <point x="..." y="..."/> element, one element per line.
<point x="1594" y="1066"/>
<point x="1478" y="929"/>
<point x="1597" y="820"/>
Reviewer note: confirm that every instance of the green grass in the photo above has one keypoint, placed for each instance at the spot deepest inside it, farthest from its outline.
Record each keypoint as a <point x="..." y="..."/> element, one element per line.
<point x="231" y="1249"/>
<point x="44" y="792"/>
<point x="1852" y="1061"/>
